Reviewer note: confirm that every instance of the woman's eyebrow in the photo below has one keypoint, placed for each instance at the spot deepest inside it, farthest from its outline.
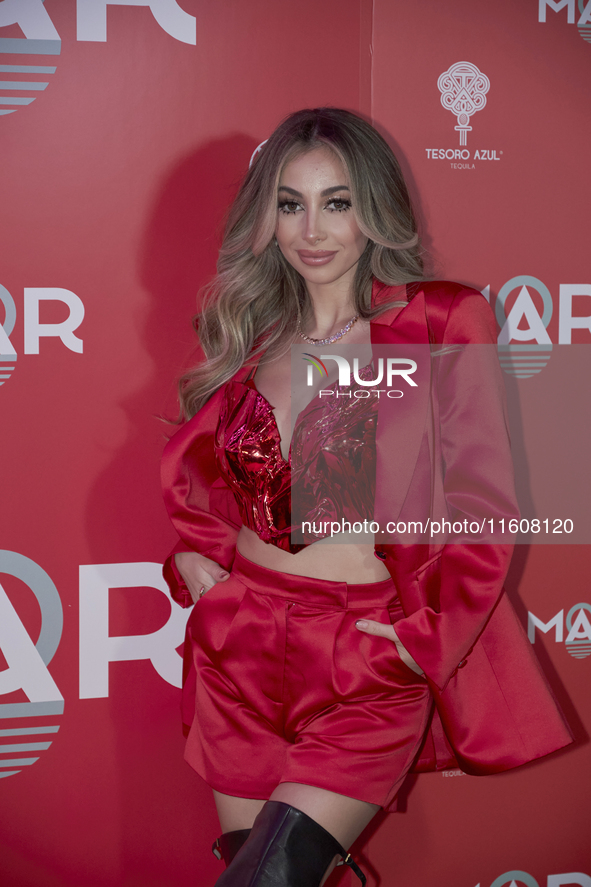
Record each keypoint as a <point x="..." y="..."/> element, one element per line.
<point x="326" y="193"/>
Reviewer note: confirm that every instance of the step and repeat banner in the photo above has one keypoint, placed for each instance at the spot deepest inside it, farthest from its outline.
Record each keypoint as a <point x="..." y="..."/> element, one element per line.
<point x="125" y="127"/>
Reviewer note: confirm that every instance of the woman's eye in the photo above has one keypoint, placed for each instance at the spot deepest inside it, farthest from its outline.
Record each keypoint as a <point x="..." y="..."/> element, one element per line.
<point x="288" y="206"/>
<point x="339" y="204"/>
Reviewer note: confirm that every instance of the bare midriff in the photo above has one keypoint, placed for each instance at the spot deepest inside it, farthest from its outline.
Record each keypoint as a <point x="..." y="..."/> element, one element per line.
<point x="336" y="561"/>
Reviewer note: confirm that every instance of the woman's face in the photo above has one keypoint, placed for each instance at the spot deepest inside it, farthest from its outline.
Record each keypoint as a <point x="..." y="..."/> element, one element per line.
<point x="317" y="229"/>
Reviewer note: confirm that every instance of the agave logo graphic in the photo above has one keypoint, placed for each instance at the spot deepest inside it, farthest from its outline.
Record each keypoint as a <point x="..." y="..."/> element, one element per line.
<point x="578" y="639"/>
<point x="463" y="91"/>
<point x="27" y="673"/>
<point x="41" y="40"/>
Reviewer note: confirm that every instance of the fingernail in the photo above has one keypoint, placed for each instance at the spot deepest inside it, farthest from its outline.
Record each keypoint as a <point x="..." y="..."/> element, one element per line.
<point x="361" y="623"/>
<point x="224" y="575"/>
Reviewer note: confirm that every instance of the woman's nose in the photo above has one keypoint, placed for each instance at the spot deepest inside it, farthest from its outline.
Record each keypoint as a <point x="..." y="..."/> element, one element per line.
<point x="314" y="230"/>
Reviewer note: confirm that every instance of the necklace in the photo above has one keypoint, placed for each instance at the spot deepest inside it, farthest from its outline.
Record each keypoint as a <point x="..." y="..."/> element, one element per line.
<point x="330" y="339"/>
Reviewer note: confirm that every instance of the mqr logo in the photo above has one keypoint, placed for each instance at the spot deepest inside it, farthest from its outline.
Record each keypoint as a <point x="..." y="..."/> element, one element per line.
<point x="399" y="367"/>
<point x="41" y="39"/>
<point x="27" y="673"/>
<point x="584" y="7"/>
<point x="463" y="89"/>
<point x="34" y="329"/>
<point x="523" y="879"/>
<point x="578" y="626"/>
<point x="527" y="320"/>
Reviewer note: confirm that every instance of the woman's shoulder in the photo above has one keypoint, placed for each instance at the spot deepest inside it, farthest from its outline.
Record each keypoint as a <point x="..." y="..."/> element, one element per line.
<point x="446" y="289"/>
<point x="460" y="312"/>
<point x="455" y="312"/>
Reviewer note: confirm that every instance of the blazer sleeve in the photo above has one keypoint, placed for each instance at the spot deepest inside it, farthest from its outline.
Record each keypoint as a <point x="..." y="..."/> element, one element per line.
<point x="460" y="584"/>
<point x="199" y="503"/>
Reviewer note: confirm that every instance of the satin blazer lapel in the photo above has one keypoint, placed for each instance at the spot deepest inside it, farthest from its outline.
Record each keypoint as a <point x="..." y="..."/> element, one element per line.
<point x="188" y="462"/>
<point x="401" y="421"/>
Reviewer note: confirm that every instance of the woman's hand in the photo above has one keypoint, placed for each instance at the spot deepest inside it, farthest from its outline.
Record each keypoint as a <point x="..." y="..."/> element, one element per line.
<point x="387" y="631"/>
<point x="199" y="573"/>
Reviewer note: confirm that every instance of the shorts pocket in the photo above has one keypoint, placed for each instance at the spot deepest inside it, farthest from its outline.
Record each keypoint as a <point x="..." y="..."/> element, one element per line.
<point x="395" y="613"/>
<point x="213" y="615"/>
<point x="381" y="655"/>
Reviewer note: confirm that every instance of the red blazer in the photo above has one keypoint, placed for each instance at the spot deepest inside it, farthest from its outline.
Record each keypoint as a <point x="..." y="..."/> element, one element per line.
<point x="444" y="453"/>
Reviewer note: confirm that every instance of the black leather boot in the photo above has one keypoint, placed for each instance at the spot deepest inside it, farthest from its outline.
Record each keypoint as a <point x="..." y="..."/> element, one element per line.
<point x="227" y="845"/>
<point x="286" y="848"/>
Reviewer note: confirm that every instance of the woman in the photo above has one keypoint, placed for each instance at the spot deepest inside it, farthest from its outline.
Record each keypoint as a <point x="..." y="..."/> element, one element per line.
<point x="314" y="666"/>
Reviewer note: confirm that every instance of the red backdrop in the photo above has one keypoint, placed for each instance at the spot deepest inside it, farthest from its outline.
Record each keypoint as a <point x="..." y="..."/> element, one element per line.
<point x="114" y="181"/>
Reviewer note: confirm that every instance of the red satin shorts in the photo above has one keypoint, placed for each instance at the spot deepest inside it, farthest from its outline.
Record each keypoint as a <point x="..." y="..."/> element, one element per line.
<point x="288" y="690"/>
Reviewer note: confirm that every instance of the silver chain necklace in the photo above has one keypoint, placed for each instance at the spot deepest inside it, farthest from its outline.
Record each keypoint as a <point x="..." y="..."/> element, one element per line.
<point x="330" y="339"/>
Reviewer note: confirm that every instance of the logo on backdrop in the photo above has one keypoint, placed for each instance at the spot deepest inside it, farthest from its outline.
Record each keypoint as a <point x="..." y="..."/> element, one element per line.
<point x="523" y="879"/>
<point x="583" y="6"/>
<point x="41" y="41"/>
<point x="463" y="89"/>
<point x="525" y="346"/>
<point x="26" y="727"/>
<point x="34" y="329"/>
<point x="21" y="744"/>
<point x="578" y="628"/>
<point x="8" y="355"/>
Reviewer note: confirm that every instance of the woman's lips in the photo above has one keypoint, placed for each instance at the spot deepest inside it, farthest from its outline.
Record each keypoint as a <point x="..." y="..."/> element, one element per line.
<point x="316" y="256"/>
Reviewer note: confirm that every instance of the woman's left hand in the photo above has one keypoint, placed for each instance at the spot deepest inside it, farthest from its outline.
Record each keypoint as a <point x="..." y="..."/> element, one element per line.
<point x="387" y="631"/>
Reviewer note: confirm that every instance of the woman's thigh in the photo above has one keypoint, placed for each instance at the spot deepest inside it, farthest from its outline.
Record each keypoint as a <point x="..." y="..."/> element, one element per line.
<point x="236" y="813"/>
<point x="345" y="818"/>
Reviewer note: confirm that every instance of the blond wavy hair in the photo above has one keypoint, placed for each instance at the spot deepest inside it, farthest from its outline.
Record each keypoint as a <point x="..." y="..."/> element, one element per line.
<point x="253" y="304"/>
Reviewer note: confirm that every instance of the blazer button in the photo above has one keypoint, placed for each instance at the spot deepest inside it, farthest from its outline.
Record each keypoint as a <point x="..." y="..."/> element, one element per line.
<point x="381" y="555"/>
<point x="462" y="663"/>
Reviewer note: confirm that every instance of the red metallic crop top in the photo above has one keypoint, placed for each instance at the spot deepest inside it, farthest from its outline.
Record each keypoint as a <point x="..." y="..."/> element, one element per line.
<point x="330" y="474"/>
